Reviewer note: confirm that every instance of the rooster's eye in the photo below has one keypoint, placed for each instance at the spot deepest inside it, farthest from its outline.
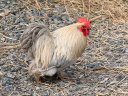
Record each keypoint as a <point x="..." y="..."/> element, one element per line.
<point x="84" y="26"/>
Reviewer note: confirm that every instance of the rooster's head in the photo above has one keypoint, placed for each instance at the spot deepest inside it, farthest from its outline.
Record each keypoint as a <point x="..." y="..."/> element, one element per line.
<point x="85" y="27"/>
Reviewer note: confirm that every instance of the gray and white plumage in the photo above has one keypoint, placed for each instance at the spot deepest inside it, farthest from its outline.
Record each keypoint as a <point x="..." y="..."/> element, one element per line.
<point x="52" y="52"/>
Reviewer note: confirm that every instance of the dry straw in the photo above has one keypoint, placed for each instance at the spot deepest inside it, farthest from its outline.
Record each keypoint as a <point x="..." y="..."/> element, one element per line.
<point x="117" y="10"/>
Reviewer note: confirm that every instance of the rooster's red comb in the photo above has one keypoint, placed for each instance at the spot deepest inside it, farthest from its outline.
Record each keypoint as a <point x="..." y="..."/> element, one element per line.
<point x="84" y="20"/>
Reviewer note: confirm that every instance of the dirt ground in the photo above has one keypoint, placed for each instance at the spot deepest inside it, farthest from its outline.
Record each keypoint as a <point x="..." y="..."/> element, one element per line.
<point x="101" y="71"/>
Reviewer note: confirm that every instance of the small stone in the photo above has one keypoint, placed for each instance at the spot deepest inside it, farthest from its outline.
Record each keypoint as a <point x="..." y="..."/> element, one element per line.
<point x="126" y="49"/>
<point x="64" y="17"/>
<point x="62" y="84"/>
<point x="54" y="1"/>
<point x="8" y="2"/>
<point x="3" y="39"/>
<point x="1" y="74"/>
<point x="119" y="78"/>
<point x="91" y="66"/>
<point x="55" y="21"/>
<point x="126" y="76"/>
<point x="61" y="10"/>
<point x="15" y="69"/>
<point x="18" y="35"/>
<point x="37" y="88"/>
<point x="10" y="75"/>
<point x="1" y="63"/>
<point x="12" y="57"/>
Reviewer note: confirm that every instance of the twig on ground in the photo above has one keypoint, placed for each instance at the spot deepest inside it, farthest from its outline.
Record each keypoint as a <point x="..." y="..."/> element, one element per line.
<point x="95" y="18"/>
<point x="10" y="47"/>
<point x="7" y="36"/>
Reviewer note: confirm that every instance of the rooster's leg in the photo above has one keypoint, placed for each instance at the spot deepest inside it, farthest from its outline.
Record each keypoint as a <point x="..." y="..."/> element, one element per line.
<point x="62" y="75"/>
<point x="37" y="77"/>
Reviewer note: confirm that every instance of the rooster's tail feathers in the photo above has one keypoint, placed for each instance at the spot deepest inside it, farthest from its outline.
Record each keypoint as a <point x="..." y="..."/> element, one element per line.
<point x="31" y="34"/>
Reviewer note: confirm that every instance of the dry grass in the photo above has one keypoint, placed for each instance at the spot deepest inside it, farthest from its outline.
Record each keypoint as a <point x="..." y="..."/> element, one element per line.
<point x="117" y="10"/>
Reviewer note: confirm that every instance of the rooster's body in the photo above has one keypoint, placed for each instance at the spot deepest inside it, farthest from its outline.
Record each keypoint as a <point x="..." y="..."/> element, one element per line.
<point x="51" y="52"/>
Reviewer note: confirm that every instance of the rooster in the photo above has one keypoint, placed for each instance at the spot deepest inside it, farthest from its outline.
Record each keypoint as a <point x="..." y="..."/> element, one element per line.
<point x="52" y="52"/>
